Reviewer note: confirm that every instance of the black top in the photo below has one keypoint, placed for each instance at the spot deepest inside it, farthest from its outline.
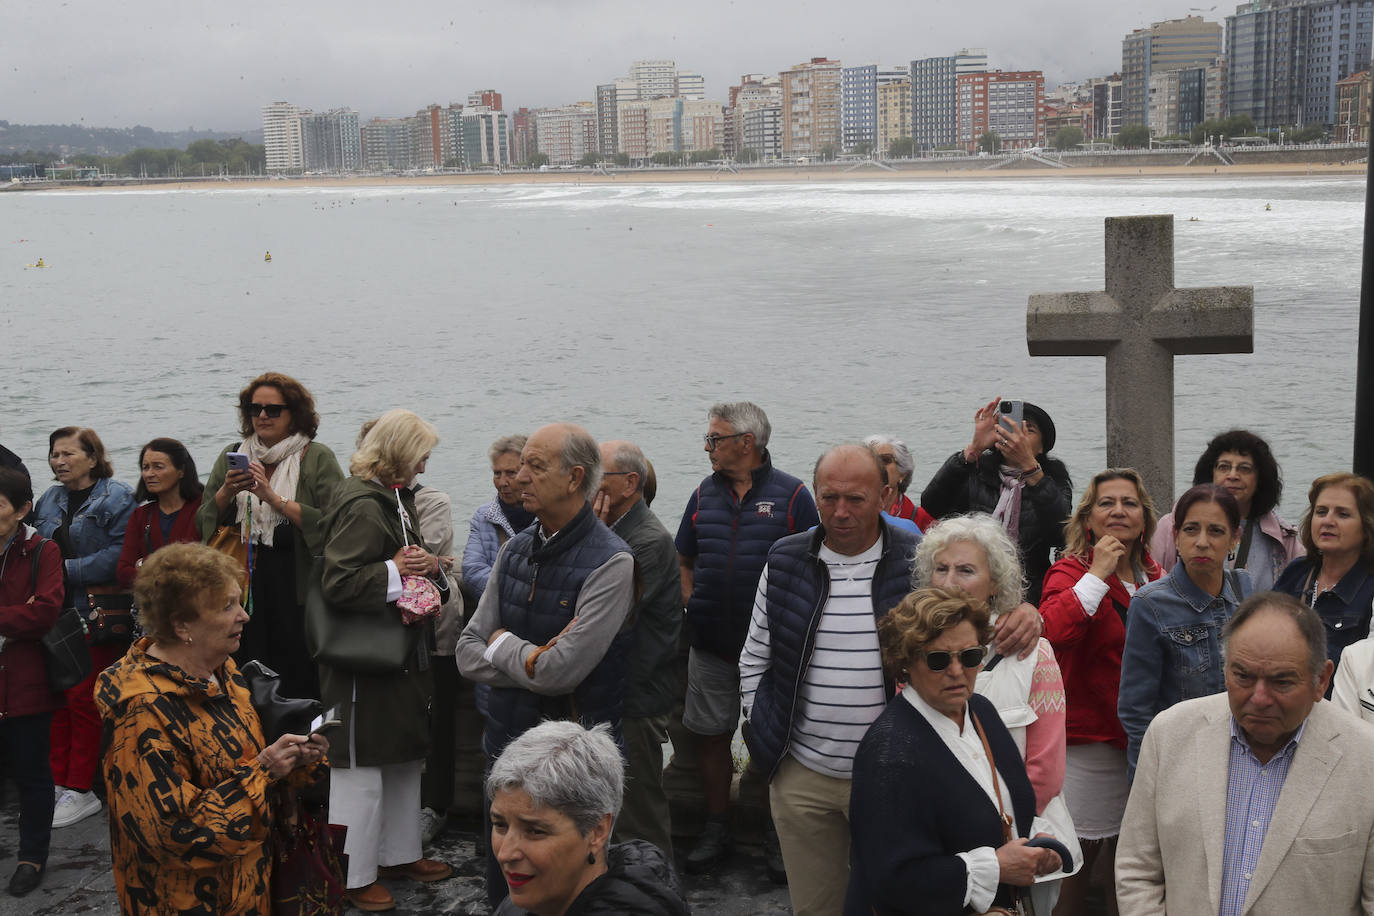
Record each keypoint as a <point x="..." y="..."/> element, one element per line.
<point x="75" y="500"/>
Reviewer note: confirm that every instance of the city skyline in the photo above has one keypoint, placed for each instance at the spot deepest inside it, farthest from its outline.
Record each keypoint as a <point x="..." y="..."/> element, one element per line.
<point x="169" y="67"/>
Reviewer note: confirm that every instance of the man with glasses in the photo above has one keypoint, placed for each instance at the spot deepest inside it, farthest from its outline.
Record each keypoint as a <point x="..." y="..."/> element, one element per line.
<point x="731" y="521"/>
<point x="811" y="669"/>
<point x="649" y="684"/>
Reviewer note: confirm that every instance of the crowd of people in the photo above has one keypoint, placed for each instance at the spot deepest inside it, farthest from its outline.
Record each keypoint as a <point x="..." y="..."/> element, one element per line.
<point x="987" y="699"/>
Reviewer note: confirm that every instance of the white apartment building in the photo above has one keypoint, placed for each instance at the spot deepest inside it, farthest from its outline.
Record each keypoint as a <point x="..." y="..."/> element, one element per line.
<point x="281" y="136"/>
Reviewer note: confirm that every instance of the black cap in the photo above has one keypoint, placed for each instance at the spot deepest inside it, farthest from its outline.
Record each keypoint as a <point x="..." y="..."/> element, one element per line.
<point x="1030" y="412"/>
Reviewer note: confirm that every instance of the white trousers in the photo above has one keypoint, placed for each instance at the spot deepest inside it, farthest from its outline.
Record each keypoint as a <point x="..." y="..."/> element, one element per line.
<point x="381" y="808"/>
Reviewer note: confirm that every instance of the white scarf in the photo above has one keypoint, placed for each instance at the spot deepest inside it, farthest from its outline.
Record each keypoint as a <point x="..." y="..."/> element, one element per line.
<point x="286" y="455"/>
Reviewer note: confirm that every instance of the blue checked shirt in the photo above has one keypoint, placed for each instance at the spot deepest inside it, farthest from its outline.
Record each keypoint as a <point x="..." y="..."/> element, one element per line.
<point x="1252" y="793"/>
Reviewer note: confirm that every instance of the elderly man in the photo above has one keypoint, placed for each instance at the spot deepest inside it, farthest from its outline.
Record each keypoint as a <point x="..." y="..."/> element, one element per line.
<point x="731" y="521"/>
<point x="550" y="634"/>
<point x="1256" y="802"/>
<point x="657" y="616"/>
<point x="811" y="670"/>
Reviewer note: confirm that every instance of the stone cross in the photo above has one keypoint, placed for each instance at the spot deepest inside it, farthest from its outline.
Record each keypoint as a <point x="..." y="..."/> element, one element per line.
<point x="1140" y="323"/>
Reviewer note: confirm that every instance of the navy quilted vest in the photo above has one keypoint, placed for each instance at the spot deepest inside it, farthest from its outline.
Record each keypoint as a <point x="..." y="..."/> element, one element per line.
<point x="798" y="588"/>
<point x="733" y="538"/>
<point x="539" y="588"/>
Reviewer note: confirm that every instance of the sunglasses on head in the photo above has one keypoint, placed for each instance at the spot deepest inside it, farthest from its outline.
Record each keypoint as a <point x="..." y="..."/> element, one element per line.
<point x="272" y="410"/>
<point x="968" y="658"/>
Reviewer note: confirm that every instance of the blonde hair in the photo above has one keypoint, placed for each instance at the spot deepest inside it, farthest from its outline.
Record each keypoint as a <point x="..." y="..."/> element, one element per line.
<point x="1078" y="540"/>
<point x="392" y="447"/>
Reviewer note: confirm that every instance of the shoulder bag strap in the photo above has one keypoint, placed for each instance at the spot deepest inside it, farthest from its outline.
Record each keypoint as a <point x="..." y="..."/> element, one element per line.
<point x="33" y="569"/>
<point x="996" y="785"/>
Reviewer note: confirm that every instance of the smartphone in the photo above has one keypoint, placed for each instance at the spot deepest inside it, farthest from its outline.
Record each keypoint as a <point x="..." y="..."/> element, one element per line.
<point x="323" y="723"/>
<point x="238" y="461"/>
<point x="1013" y="412"/>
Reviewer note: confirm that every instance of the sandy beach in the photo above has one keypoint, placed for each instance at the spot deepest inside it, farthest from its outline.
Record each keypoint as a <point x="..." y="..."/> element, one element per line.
<point x="961" y="170"/>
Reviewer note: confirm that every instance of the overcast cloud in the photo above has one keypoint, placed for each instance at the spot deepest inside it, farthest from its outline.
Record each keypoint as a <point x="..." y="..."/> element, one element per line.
<point x="173" y="65"/>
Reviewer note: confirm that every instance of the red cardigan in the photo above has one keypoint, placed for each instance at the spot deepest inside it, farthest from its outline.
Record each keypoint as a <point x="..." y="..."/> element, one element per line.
<point x="143" y="524"/>
<point x="1088" y="649"/>
<point x="23" y="670"/>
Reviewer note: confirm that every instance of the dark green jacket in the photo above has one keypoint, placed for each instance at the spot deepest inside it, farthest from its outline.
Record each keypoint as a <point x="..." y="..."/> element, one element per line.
<point x="319" y="474"/>
<point x="657" y="615"/>
<point x="361" y="531"/>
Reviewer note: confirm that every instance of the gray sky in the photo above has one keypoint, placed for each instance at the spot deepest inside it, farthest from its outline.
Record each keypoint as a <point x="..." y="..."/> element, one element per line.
<point x="172" y="64"/>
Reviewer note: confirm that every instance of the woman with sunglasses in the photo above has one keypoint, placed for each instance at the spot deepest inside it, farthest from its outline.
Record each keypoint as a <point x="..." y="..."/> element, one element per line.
<point x="940" y="804"/>
<point x="278" y="500"/>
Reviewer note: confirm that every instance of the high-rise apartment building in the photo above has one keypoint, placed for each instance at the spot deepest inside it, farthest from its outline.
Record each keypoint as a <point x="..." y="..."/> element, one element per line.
<point x="1284" y="58"/>
<point x="894" y="114"/>
<point x="632" y="129"/>
<point x="859" y="102"/>
<point x="488" y="97"/>
<point x="524" y="139"/>
<point x="331" y="141"/>
<point x="811" y="108"/>
<point x="755" y="90"/>
<point x="1175" y="44"/>
<point x="606" y="141"/>
<point x="761" y="131"/>
<point x="1182" y="99"/>
<point x="566" y="133"/>
<point x="654" y="79"/>
<point x="281" y="136"/>
<point x="387" y="144"/>
<point x="1009" y="104"/>
<point x="691" y="86"/>
<point x="486" y="137"/>
<point x="934" y="118"/>
<point x="1107" y="106"/>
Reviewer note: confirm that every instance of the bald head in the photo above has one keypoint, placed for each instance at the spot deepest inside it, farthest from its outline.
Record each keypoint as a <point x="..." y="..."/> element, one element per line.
<point x="851" y="492"/>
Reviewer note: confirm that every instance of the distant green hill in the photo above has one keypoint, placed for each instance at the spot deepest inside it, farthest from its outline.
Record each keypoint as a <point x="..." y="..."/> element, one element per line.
<point x="74" y="139"/>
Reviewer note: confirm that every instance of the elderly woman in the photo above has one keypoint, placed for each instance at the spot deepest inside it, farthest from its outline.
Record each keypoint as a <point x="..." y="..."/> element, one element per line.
<point x="555" y="791"/>
<point x="279" y="502"/>
<point x="169" y="489"/>
<point x="973" y="555"/>
<point x="1085" y="601"/>
<point x="186" y="764"/>
<point x="1241" y="462"/>
<point x="30" y="599"/>
<point x="940" y="804"/>
<point x="495" y="521"/>
<point x="86" y="513"/>
<point x="371" y="540"/>
<point x="899" y="466"/>
<point x="1336" y="578"/>
<point x="1173" y="628"/>
<point x="1006" y="471"/>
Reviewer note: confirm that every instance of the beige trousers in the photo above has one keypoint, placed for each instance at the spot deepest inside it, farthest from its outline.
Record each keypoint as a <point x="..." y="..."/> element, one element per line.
<point x="811" y="813"/>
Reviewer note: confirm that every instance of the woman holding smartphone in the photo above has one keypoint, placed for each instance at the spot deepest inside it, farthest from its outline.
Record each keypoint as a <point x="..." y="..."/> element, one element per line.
<point x="277" y="498"/>
<point x="1006" y="471"/>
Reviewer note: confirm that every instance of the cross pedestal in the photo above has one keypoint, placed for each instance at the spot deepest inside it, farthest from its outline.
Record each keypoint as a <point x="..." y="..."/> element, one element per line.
<point x="1140" y="323"/>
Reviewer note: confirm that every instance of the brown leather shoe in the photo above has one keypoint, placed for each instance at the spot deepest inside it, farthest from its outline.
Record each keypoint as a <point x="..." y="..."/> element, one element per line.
<point x="419" y="870"/>
<point x="374" y="898"/>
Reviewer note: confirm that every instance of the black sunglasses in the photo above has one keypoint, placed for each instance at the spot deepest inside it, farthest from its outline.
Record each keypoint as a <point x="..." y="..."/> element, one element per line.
<point x="968" y="658"/>
<point x="272" y="410"/>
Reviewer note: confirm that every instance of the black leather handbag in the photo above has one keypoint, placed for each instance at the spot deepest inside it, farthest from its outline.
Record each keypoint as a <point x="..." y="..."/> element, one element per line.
<point x="279" y="715"/>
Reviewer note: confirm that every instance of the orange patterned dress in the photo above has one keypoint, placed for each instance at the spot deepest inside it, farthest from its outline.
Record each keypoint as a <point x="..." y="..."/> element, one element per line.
<point x="189" y="810"/>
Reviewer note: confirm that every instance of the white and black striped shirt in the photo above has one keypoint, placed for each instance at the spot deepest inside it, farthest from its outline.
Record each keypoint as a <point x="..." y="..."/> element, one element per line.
<point x="842" y="688"/>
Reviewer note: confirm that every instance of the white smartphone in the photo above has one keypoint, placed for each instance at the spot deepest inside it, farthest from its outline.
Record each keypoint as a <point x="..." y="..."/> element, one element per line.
<point x="323" y="723"/>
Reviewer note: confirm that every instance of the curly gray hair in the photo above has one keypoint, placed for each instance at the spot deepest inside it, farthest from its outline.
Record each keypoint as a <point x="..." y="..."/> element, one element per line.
<point x="1004" y="564"/>
<point x="563" y="766"/>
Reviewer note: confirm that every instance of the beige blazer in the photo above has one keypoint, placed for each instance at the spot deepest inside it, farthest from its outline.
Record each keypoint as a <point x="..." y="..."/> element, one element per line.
<point x="1318" y="854"/>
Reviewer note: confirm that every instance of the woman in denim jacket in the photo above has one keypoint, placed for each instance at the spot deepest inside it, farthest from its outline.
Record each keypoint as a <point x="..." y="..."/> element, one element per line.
<point x="1173" y="627"/>
<point x="86" y="513"/>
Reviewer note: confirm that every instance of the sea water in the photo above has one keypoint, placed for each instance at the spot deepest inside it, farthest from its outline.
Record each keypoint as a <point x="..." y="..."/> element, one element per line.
<point x="842" y="308"/>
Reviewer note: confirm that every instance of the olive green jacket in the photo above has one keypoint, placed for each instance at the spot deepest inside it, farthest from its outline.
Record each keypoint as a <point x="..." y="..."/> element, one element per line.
<point x="319" y="475"/>
<point x="385" y="716"/>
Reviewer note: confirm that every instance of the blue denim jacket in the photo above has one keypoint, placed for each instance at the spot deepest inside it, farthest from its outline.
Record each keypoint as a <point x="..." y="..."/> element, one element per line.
<point x="96" y="533"/>
<point x="1173" y="648"/>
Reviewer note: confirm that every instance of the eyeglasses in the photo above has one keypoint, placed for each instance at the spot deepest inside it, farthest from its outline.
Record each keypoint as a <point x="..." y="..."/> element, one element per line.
<point x="617" y="473"/>
<point x="887" y="459"/>
<point x="1226" y="467"/>
<point x="968" y="658"/>
<point x="272" y="410"/>
<point x="712" y="441"/>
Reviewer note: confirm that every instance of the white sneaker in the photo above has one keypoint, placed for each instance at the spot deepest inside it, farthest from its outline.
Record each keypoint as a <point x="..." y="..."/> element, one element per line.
<point x="432" y="823"/>
<point x="74" y="806"/>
